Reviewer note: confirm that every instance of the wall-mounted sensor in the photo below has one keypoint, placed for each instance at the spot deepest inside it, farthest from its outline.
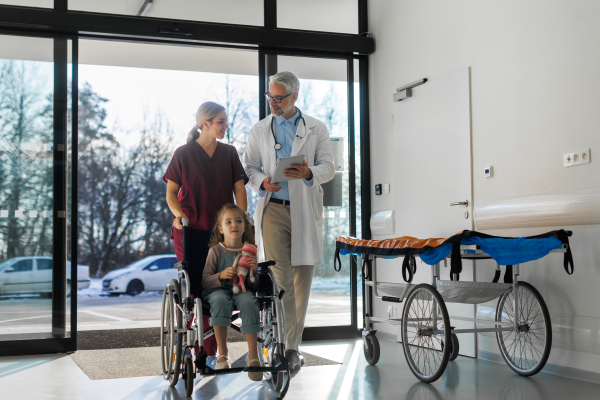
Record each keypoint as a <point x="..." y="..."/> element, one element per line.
<point x="378" y="189"/>
<point x="489" y="172"/>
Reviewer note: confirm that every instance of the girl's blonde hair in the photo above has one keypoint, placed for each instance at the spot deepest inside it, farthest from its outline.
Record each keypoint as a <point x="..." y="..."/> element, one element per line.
<point x="206" y="112"/>
<point x="217" y="237"/>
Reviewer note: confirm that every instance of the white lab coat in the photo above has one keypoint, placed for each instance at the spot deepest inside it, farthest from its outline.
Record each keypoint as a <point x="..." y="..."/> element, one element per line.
<point x="306" y="209"/>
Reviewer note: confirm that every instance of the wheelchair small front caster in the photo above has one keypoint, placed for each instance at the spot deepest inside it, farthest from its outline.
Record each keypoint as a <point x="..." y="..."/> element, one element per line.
<point x="188" y="375"/>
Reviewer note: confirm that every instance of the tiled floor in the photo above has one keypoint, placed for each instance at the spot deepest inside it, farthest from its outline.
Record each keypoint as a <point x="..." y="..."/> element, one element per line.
<point x="57" y="376"/>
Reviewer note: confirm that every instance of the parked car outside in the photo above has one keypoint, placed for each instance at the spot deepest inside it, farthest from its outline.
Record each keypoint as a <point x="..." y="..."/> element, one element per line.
<point x="150" y="273"/>
<point x="27" y="275"/>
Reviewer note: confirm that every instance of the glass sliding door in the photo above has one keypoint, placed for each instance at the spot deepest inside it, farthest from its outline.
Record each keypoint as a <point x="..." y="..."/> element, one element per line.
<point x="137" y="104"/>
<point x="33" y="191"/>
<point x="326" y="95"/>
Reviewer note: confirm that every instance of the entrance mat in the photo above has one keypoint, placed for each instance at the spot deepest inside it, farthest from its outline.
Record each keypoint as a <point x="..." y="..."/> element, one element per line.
<point x="145" y="361"/>
<point x="130" y="338"/>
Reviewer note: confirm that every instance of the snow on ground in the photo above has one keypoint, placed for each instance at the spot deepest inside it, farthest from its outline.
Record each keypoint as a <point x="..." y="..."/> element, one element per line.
<point x="95" y="290"/>
<point x="318" y="284"/>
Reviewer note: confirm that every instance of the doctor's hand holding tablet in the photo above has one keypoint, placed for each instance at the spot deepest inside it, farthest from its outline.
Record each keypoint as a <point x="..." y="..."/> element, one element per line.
<point x="288" y="168"/>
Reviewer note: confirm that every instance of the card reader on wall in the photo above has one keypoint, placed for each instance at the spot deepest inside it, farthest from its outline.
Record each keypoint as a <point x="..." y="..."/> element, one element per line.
<point x="382" y="223"/>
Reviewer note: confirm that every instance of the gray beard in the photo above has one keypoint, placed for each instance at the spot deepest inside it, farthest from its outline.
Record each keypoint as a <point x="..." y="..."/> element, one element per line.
<point x="281" y="111"/>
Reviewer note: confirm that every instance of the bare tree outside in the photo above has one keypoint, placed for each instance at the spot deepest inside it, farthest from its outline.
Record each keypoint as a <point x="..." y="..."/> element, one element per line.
<point x="26" y="136"/>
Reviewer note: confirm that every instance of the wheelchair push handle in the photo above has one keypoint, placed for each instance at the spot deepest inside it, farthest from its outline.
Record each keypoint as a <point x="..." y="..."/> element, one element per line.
<point x="184" y="221"/>
<point x="262" y="266"/>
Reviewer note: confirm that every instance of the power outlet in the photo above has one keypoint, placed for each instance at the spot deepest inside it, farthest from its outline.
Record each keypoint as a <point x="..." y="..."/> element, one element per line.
<point x="576" y="158"/>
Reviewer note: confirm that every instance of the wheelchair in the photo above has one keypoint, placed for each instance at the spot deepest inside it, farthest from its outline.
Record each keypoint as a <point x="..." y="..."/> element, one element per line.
<point x="182" y="333"/>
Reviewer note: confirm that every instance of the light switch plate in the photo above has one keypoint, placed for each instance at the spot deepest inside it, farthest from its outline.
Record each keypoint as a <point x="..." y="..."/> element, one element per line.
<point x="386" y="188"/>
<point x="488" y="171"/>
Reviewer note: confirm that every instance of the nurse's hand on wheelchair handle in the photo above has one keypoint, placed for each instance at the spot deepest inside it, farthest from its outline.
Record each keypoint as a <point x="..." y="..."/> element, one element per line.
<point x="178" y="223"/>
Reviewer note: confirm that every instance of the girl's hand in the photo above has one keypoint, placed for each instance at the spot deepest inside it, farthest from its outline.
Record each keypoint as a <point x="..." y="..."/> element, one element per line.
<point x="254" y="263"/>
<point x="227" y="273"/>
<point x="177" y="221"/>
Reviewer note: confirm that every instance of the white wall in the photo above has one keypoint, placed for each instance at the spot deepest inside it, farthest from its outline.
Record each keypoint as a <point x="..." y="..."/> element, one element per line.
<point x="535" y="79"/>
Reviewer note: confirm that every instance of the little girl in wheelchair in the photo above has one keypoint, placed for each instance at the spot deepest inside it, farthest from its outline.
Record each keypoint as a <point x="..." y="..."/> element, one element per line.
<point x="231" y="231"/>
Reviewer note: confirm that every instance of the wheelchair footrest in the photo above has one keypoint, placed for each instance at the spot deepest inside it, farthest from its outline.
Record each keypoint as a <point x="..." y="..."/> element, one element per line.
<point x="207" y="371"/>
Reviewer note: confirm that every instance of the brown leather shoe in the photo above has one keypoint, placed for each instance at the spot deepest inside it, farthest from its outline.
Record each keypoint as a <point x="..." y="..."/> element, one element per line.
<point x="294" y="359"/>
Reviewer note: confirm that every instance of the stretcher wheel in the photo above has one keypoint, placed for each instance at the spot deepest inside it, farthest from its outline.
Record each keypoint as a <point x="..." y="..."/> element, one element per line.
<point x="454" y="347"/>
<point x="525" y="351"/>
<point x="189" y="375"/>
<point x="371" y="349"/>
<point x="424" y="320"/>
<point x="170" y="340"/>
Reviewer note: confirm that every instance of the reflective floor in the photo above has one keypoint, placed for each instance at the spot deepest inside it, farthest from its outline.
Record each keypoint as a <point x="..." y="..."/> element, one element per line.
<point x="57" y="376"/>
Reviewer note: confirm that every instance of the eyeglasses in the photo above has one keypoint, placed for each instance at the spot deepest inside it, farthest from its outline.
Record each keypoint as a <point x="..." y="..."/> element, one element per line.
<point x="276" y="99"/>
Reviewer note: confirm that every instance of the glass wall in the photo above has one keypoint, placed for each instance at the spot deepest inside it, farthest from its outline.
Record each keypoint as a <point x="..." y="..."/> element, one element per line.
<point x="241" y="12"/>
<point x="339" y="16"/>
<point x="29" y="3"/>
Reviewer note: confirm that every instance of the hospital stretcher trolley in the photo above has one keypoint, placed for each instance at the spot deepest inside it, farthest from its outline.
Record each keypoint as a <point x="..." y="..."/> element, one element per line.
<point x="429" y="340"/>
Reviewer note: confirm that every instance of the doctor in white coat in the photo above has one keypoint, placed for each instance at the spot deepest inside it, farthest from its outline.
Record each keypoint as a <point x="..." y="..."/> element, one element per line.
<point x="289" y="215"/>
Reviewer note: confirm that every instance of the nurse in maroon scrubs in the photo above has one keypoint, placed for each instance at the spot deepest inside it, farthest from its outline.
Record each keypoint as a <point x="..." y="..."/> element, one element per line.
<point x="203" y="176"/>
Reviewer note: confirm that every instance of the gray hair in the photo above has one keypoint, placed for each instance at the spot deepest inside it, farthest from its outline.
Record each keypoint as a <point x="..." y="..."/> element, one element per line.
<point x="287" y="80"/>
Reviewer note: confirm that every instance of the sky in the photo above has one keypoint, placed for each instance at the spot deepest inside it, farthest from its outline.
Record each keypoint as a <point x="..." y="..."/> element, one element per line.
<point x="131" y="91"/>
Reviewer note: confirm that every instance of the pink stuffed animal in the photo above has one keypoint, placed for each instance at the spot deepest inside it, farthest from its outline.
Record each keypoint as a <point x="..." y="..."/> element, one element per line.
<point x="243" y="268"/>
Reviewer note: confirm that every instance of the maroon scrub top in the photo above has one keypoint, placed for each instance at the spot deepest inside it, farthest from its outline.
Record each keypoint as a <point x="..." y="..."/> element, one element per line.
<point x="206" y="184"/>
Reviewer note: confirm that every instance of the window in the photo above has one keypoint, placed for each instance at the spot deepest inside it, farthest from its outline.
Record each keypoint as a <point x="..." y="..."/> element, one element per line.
<point x="44" y="263"/>
<point x="23" y="265"/>
<point x="161" y="263"/>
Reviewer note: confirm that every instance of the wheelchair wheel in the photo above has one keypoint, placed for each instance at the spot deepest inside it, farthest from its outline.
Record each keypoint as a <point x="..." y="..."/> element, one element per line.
<point x="189" y="375"/>
<point x="171" y="340"/>
<point x="424" y="319"/>
<point x="280" y="379"/>
<point x="371" y="349"/>
<point x="525" y="351"/>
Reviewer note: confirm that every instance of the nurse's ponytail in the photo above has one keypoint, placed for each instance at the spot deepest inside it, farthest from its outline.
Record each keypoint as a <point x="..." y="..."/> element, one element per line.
<point x="206" y="112"/>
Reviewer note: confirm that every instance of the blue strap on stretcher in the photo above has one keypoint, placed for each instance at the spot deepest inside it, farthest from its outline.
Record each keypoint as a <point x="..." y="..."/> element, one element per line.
<point x="503" y="251"/>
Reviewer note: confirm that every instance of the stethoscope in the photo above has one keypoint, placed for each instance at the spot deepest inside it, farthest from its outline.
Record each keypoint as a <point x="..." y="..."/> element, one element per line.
<point x="277" y="145"/>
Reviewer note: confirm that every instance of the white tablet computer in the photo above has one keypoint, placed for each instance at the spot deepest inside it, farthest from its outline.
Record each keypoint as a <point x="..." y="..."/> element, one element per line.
<point x="283" y="164"/>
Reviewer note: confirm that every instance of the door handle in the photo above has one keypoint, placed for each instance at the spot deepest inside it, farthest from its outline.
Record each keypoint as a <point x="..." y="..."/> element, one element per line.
<point x="461" y="203"/>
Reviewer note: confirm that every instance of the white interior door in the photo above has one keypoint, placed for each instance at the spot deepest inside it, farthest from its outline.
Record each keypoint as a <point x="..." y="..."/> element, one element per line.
<point x="432" y="142"/>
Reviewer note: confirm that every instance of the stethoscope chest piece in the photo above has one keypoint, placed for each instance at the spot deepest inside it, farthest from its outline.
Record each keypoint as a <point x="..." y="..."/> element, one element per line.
<point x="277" y="146"/>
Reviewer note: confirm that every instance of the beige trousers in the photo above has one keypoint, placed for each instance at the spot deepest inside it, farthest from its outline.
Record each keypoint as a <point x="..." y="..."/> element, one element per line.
<point x="295" y="280"/>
